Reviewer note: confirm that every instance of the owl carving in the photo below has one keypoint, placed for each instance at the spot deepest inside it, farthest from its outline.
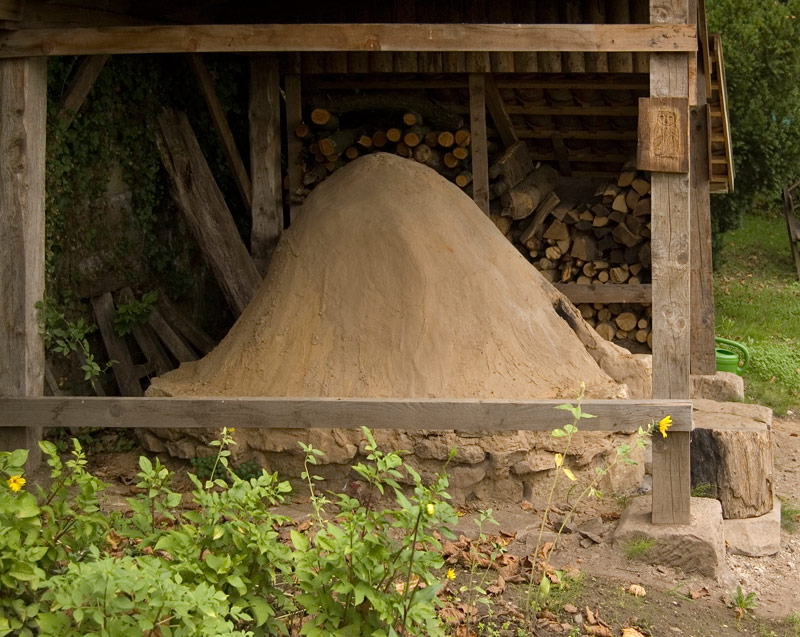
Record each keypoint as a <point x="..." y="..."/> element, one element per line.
<point x="666" y="141"/>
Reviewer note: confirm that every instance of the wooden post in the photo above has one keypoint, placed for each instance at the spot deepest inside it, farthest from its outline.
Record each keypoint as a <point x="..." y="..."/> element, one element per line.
<point x="265" y="158"/>
<point x="294" y="145"/>
<point x="480" y="158"/>
<point x="703" y="354"/>
<point x="669" y="73"/>
<point x="79" y="87"/>
<point x="23" y="112"/>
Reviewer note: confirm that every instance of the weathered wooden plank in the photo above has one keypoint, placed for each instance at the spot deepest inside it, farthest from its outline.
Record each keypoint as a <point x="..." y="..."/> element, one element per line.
<point x="462" y="414"/>
<point x="499" y="12"/>
<point x="79" y="86"/>
<point x="124" y="373"/>
<point x="606" y="293"/>
<point x="349" y="37"/>
<point x="670" y="244"/>
<point x="405" y="13"/>
<point x="608" y="111"/>
<point x="23" y="112"/>
<point x="480" y="151"/>
<point x="222" y="127"/>
<point x="170" y="338"/>
<point x="595" y="12"/>
<point x="265" y="158"/>
<point x="147" y="341"/>
<point x="203" y="206"/>
<point x="187" y="328"/>
<point x="702" y="316"/>
<point x="11" y="10"/>
<point x="294" y="145"/>
<point x="497" y="109"/>
<point x="663" y="134"/>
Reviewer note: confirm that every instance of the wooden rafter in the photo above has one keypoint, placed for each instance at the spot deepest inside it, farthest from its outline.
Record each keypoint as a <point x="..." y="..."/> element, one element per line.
<point x="350" y="37"/>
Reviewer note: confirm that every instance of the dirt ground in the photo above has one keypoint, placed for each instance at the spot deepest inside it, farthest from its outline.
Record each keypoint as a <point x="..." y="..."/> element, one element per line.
<point x="595" y="577"/>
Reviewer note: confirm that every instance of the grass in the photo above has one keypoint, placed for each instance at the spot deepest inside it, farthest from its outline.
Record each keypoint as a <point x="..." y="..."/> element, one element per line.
<point x="638" y="547"/>
<point x="789" y="516"/>
<point x="757" y="302"/>
<point x="702" y="490"/>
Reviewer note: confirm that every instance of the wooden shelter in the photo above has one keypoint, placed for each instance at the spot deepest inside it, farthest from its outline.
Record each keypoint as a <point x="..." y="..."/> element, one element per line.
<point x="660" y="53"/>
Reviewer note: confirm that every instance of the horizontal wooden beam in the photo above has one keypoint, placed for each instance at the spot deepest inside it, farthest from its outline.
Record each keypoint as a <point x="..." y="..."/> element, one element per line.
<point x="349" y="37"/>
<point x="326" y="413"/>
<point x="606" y="293"/>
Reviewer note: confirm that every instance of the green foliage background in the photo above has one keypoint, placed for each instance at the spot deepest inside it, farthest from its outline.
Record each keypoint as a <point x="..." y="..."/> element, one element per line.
<point x="762" y="65"/>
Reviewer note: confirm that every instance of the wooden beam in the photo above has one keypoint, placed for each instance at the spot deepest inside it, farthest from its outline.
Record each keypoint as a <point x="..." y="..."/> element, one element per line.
<point x="702" y="346"/>
<point x="630" y="82"/>
<point x="480" y="149"/>
<point x="606" y="111"/>
<point x="11" y="10"/>
<point x="79" y="86"/>
<point x="205" y="211"/>
<point x="608" y="293"/>
<point x="460" y="414"/>
<point x="294" y="145"/>
<point x="175" y="344"/>
<point x="105" y="313"/>
<point x="497" y="109"/>
<point x="671" y="253"/>
<point x="265" y="158"/>
<point x="23" y="113"/>
<point x="217" y="38"/>
<point x="222" y="127"/>
<point x="199" y="339"/>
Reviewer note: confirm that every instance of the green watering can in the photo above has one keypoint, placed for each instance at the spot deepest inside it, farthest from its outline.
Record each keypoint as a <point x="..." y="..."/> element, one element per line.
<point x="727" y="360"/>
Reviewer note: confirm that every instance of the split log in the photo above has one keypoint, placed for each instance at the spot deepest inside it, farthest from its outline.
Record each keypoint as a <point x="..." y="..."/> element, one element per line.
<point x="527" y="195"/>
<point x="338" y="142"/>
<point x="323" y="118"/>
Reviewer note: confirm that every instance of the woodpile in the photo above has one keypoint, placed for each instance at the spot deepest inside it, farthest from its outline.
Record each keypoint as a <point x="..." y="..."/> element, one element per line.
<point x="605" y="241"/>
<point x="343" y="128"/>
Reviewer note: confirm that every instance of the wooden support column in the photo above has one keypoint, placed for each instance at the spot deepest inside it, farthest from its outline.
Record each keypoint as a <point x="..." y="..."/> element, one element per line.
<point x="265" y="158"/>
<point x="294" y="145"/>
<point x="497" y="109"/>
<point x="23" y="112"/>
<point x="480" y="158"/>
<point x="669" y="78"/>
<point x="702" y="319"/>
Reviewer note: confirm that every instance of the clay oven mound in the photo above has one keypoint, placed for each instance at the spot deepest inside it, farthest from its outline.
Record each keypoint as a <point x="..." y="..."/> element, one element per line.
<point x="393" y="283"/>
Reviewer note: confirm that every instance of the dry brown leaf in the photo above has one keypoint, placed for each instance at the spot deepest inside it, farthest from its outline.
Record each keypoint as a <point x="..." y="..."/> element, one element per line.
<point x="598" y="631"/>
<point x="570" y="608"/>
<point x="462" y="631"/>
<point x="526" y="506"/>
<point x="590" y="616"/>
<point x="451" y="615"/>
<point x="637" y="591"/>
<point x="700" y="592"/>
<point x="304" y="525"/>
<point x="546" y="614"/>
<point x="630" y="631"/>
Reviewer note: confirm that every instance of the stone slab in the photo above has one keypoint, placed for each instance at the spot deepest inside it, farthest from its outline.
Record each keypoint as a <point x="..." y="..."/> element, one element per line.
<point x="755" y="537"/>
<point x="698" y="547"/>
<point x="719" y="386"/>
<point x="711" y="414"/>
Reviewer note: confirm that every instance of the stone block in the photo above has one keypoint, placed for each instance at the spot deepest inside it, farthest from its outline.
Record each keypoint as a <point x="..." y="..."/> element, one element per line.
<point x="697" y="547"/>
<point x="719" y="386"/>
<point x="755" y="537"/>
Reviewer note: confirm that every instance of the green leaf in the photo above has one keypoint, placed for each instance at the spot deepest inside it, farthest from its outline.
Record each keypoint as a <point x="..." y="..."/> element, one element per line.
<point x="299" y="540"/>
<point x="17" y="458"/>
<point x="145" y="465"/>
<point x="262" y="611"/>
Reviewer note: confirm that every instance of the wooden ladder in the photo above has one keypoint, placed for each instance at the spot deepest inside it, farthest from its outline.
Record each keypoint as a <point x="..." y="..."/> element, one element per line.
<point x="792" y="223"/>
<point x="719" y="131"/>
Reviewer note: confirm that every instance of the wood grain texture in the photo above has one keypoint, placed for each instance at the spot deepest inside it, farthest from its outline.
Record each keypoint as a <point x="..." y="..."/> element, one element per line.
<point x="663" y="134"/>
<point x="11" y="10"/>
<point x="670" y="244"/>
<point x="206" y="85"/>
<point x="702" y="316"/>
<point x="349" y="37"/>
<point x="147" y="341"/>
<point x="497" y="109"/>
<point x="79" y="86"/>
<point x="594" y="11"/>
<point x="526" y="61"/>
<point x="300" y="413"/>
<point x="175" y="344"/>
<point x="265" y="158"/>
<point x="203" y="206"/>
<point x="606" y="293"/>
<point x="294" y="145"/>
<point x="187" y="328"/>
<point x="480" y="151"/>
<point x="23" y="110"/>
<point x="123" y="368"/>
<point x="405" y="13"/>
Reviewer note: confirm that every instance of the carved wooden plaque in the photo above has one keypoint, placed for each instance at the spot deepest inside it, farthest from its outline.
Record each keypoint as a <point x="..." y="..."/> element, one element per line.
<point x="663" y="134"/>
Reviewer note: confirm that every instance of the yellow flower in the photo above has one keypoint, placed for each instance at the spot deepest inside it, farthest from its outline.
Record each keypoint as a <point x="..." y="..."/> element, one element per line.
<point x="569" y="474"/>
<point x="231" y="430"/>
<point x="15" y="483"/>
<point x="451" y="574"/>
<point x="559" y="459"/>
<point x="430" y="508"/>
<point x="664" y="424"/>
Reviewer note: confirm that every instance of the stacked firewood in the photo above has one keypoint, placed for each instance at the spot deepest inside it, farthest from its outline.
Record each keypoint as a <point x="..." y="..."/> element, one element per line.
<point x="330" y="142"/>
<point x="620" y="322"/>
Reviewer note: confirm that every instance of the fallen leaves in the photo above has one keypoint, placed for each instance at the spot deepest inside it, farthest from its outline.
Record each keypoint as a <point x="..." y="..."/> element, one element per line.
<point x="637" y="590"/>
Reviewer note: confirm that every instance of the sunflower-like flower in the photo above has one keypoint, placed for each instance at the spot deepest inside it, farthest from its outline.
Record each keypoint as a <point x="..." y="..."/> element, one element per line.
<point x="451" y="574"/>
<point x="664" y="424"/>
<point x="15" y="483"/>
<point x="430" y="508"/>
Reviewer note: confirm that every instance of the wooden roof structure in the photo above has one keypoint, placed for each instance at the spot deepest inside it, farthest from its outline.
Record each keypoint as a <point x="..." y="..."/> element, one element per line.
<point x="659" y="47"/>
